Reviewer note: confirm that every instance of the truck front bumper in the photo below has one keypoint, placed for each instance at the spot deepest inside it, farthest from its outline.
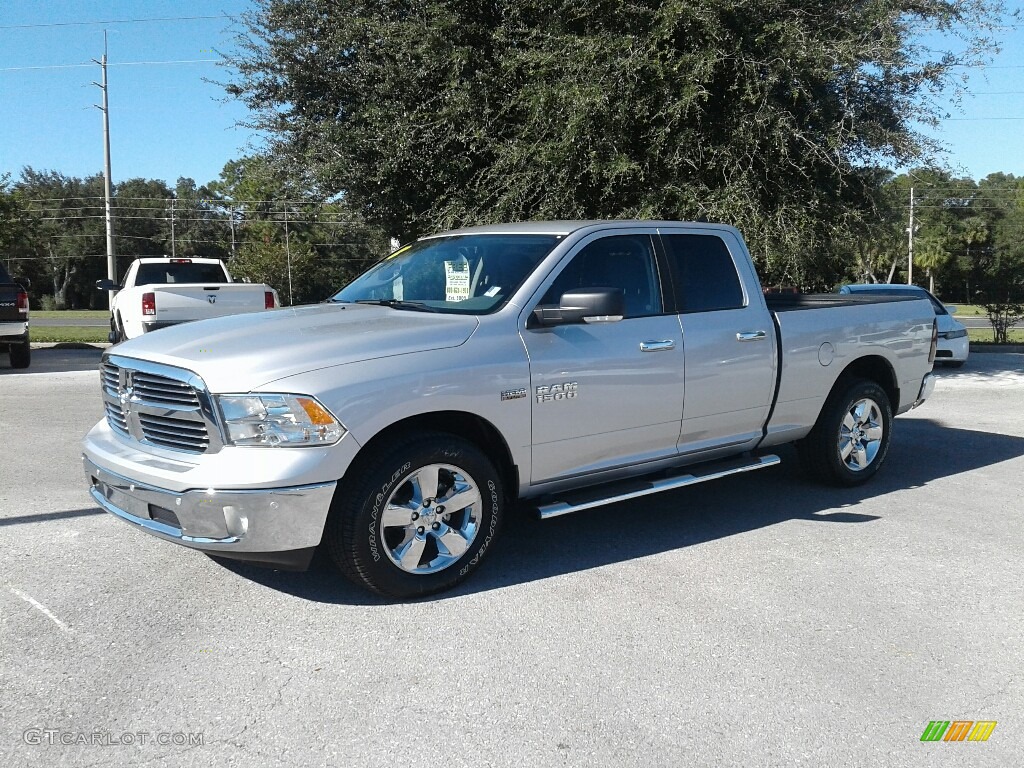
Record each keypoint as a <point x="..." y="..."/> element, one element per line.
<point x="279" y="527"/>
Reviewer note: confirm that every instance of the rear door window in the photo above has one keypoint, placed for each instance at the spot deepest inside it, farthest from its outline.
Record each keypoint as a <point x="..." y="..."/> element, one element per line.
<point x="703" y="272"/>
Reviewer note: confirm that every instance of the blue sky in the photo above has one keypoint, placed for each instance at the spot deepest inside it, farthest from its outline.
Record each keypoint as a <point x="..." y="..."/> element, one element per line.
<point x="167" y="122"/>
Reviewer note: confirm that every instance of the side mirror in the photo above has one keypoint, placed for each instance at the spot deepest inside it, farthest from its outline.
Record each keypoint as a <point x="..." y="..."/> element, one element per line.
<point x="107" y="285"/>
<point x="585" y="305"/>
<point x="24" y="282"/>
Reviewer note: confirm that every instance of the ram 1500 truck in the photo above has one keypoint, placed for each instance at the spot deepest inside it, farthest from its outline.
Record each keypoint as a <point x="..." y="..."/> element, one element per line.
<point x="160" y="292"/>
<point x="14" y="320"/>
<point x="557" y="364"/>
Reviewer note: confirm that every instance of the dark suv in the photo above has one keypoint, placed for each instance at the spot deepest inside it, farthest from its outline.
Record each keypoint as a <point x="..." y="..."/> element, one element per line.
<point x="14" y="320"/>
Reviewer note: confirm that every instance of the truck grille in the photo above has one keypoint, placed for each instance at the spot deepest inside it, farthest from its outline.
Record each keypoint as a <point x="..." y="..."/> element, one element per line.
<point x="158" y="405"/>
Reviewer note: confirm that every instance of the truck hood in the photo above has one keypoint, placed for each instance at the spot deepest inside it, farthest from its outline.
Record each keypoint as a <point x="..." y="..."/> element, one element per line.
<point x="243" y="352"/>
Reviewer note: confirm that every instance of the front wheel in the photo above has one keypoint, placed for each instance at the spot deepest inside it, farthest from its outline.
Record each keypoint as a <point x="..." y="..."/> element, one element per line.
<point x="416" y="516"/>
<point x="850" y="440"/>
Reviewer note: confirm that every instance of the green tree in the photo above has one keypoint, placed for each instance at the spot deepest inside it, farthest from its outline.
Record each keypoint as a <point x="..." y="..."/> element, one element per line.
<point x="66" y="238"/>
<point x="289" y="238"/>
<point x="1001" y="281"/>
<point x="142" y="220"/>
<point x="760" y="113"/>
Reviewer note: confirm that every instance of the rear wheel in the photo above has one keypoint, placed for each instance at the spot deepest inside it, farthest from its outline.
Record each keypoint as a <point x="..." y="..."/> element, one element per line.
<point x="850" y="440"/>
<point x="20" y="354"/>
<point x="416" y="516"/>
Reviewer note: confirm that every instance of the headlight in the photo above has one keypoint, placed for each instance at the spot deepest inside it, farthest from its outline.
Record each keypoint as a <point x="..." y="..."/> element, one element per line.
<point x="278" y="420"/>
<point x="958" y="334"/>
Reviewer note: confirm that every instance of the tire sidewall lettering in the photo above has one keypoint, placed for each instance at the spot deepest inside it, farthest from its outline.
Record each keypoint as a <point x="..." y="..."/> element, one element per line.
<point x="378" y="503"/>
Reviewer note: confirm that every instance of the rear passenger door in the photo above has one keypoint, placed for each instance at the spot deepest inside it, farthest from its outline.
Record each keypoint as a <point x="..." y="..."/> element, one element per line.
<point x="728" y="341"/>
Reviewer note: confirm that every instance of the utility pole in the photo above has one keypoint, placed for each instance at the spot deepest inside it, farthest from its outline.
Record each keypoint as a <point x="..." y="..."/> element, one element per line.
<point x="231" y="218"/>
<point x="111" y="255"/>
<point x="173" y="254"/>
<point x="910" y="238"/>
<point x="288" y="254"/>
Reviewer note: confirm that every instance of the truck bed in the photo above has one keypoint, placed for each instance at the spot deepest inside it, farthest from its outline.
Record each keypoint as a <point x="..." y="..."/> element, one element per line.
<point x="789" y="302"/>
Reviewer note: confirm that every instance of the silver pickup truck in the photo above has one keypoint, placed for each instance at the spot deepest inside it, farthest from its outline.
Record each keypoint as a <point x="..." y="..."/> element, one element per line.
<point x="561" y="365"/>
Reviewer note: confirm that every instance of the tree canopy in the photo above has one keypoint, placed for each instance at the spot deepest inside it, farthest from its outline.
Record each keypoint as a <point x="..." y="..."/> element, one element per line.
<point x="766" y="114"/>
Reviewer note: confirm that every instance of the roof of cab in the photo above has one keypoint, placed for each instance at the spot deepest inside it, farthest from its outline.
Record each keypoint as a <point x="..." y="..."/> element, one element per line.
<point x="566" y="227"/>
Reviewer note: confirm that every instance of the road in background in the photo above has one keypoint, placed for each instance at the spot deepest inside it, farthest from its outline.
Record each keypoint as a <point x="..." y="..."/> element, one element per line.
<point x="55" y="360"/>
<point x="760" y="620"/>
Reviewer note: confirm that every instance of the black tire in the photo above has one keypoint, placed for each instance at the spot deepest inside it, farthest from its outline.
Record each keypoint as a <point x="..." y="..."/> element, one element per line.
<point x="116" y="335"/>
<point x="20" y="354"/>
<point x="821" y="452"/>
<point x="405" y="560"/>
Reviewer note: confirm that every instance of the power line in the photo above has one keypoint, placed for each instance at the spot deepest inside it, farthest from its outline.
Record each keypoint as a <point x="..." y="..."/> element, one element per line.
<point x="112" y="21"/>
<point x="112" y="64"/>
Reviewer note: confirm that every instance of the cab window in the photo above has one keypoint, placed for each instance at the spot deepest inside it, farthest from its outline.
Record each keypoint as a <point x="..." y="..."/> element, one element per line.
<point x="625" y="262"/>
<point x="704" y="273"/>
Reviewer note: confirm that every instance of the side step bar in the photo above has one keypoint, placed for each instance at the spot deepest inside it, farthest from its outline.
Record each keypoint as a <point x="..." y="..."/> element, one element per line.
<point x="610" y="493"/>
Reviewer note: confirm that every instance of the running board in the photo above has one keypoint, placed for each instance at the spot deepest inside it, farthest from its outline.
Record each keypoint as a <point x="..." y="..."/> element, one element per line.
<point x="610" y="493"/>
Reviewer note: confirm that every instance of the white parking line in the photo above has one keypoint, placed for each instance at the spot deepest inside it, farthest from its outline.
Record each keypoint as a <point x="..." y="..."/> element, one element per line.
<point x="42" y="609"/>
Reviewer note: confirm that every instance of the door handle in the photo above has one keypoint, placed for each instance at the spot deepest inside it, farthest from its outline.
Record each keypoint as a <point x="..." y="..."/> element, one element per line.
<point x="751" y="336"/>
<point x="657" y="346"/>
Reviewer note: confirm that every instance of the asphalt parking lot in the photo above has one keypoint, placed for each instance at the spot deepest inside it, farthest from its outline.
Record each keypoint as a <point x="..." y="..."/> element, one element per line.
<point x="757" y="621"/>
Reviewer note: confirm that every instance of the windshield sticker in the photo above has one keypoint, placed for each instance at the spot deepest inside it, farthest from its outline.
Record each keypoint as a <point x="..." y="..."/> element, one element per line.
<point x="493" y="291"/>
<point x="456" y="280"/>
<point x="400" y="251"/>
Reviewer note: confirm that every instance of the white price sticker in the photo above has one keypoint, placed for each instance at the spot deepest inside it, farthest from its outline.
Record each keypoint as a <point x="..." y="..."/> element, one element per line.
<point x="456" y="280"/>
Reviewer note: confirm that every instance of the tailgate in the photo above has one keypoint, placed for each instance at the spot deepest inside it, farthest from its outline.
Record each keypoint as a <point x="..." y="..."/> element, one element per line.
<point x="9" y="312"/>
<point x="182" y="303"/>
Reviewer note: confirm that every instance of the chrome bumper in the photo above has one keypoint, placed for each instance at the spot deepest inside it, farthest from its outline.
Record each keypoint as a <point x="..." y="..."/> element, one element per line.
<point x="14" y="331"/>
<point x="220" y="522"/>
<point x="927" y="387"/>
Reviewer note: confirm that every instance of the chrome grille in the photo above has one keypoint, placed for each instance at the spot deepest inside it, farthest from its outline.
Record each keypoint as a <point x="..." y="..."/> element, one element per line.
<point x="158" y="405"/>
<point x="163" y="390"/>
<point x="109" y="378"/>
<point x="181" y="434"/>
<point x="116" y="419"/>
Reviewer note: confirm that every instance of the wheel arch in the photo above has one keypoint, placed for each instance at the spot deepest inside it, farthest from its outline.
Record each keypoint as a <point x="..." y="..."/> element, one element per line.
<point x="873" y="368"/>
<point x="469" y="426"/>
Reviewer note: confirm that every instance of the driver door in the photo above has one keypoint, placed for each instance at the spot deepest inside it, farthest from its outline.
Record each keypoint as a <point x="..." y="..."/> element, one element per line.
<point x="606" y="394"/>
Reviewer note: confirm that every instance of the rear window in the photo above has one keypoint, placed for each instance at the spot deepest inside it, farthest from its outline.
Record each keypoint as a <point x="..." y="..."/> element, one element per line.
<point x="161" y="274"/>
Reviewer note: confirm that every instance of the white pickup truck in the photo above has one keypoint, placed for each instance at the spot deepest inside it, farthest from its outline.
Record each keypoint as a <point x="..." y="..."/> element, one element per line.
<point x="560" y="365"/>
<point x="160" y="292"/>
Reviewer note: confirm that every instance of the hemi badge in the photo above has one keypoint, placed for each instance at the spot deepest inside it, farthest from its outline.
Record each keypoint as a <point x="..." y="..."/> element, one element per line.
<point x="513" y="394"/>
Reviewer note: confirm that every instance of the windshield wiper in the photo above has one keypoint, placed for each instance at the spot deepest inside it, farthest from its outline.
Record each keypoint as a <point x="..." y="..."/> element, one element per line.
<point x="416" y="306"/>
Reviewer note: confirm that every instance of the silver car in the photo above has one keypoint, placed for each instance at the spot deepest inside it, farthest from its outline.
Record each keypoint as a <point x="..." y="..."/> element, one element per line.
<point x="953" y="346"/>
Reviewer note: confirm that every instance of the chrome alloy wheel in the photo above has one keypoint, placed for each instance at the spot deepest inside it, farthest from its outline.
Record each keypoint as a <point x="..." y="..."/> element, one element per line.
<point x="431" y="519"/>
<point x="860" y="435"/>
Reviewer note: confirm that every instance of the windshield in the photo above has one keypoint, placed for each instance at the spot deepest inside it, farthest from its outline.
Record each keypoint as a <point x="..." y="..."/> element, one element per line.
<point x="465" y="274"/>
